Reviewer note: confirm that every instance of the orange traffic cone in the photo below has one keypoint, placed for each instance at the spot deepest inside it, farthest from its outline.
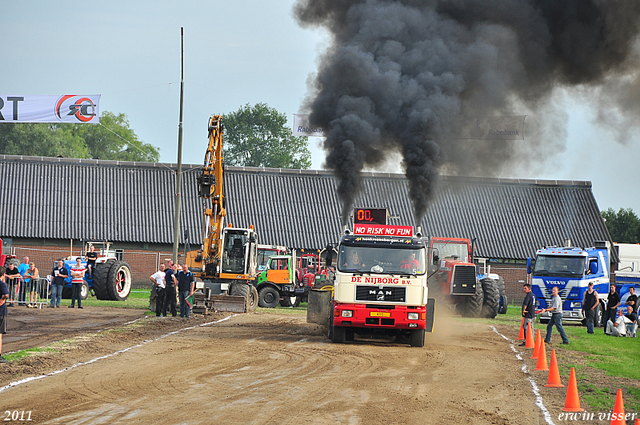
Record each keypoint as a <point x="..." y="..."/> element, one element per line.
<point x="618" y="410"/>
<point x="521" y="334"/>
<point x="637" y="422"/>
<point x="542" y="356"/>
<point x="572" y="402"/>
<point x="536" y="348"/>
<point x="554" y="373"/>
<point x="529" y="341"/>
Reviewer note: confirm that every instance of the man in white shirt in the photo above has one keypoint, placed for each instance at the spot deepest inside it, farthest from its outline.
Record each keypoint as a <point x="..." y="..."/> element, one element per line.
<point x="158" y="279"/>
<point x="619" y="328"/>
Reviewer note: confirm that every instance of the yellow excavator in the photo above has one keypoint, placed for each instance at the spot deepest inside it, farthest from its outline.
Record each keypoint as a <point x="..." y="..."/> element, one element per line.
<point x="226" y="265"/>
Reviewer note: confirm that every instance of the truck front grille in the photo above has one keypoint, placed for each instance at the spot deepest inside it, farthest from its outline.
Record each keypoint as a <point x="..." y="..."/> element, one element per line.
<point x="381" y="293"/>
<point x="464" y="280"/>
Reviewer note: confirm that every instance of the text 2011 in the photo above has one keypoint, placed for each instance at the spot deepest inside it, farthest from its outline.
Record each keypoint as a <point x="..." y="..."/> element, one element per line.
<point x="17" y="415"/>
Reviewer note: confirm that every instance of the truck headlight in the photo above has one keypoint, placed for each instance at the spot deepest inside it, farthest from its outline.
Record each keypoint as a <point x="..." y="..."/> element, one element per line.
<point x="413" y="316"/>
<point x="347" y="313"/>
<point x="576" y="304"/>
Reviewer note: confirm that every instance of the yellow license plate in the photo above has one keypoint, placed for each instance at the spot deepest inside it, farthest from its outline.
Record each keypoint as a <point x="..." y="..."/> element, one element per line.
<point x="379" y="314"/>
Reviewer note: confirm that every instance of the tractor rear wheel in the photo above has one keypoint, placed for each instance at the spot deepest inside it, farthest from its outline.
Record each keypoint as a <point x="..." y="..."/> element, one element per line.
<point x="100" y="277"/>
<point x="119" y="281"/>
<point x="253" y="299"/>
<point x="244" y="290"/>
<point x="491" y="299"/>
<point x="268" y="297"/>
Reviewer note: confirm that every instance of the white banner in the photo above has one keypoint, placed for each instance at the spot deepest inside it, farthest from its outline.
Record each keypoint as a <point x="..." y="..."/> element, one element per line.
<point x="67" y="108"/>
<point x="301" y="127"/>
<point x="492" y="128"/>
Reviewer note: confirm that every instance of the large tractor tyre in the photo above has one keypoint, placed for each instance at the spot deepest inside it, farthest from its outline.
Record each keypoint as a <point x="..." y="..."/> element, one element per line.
<point x="100" y="278"/>
<point x="417" y="337"/>
<point x="491" y="299"/>
<point x="268" y="297"/>
<point x="472" y="305"/>
<point x="504" y="304"/>
<point x="119" y="281"/>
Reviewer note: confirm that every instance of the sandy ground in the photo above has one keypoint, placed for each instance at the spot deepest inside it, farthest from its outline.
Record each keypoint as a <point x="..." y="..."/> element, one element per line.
<point x="266" y="368"/>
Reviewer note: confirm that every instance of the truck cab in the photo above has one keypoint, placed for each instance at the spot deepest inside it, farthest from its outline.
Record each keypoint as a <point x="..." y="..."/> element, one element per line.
<point x="570" y="269"/>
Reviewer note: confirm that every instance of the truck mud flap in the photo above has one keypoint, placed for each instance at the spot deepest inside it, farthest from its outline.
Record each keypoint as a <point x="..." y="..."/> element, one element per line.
<point x="319" y="307"/>
<point x="431" y="314"/>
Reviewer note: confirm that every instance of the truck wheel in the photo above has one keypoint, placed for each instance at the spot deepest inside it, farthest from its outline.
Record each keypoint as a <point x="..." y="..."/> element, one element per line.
<point x="288" y="301"/>
<point x="100" y="276"/>
<point x="268" y="297"/>
<point x="253" y="299"/>
<point x="119" y="281"/>
<point x="84" y="291"/>
<point x="417" y="337"/>
<point x="491" y="299"/>
<point x="599" y="314"/>
<point x="339" y="334"/>
<point x="243" y="290"/>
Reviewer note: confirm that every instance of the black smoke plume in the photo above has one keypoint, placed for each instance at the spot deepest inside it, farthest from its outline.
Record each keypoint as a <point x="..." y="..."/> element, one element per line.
<point x="399" y="74"/>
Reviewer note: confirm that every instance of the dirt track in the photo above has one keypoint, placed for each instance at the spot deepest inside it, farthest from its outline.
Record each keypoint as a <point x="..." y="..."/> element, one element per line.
<point x="275" y="368"/>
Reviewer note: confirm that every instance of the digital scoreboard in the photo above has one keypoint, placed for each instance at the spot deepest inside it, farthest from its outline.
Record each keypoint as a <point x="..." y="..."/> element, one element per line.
<point x="370" y="216"/>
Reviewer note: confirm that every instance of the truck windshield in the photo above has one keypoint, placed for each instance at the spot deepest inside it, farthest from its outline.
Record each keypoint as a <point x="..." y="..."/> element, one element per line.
<point x="451" y="249"/>
<point x="559" y="266"/>
<point x="356" y="259"/>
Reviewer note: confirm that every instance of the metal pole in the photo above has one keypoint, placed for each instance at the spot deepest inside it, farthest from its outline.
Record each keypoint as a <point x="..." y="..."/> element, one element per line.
<point x="176" y="223"/>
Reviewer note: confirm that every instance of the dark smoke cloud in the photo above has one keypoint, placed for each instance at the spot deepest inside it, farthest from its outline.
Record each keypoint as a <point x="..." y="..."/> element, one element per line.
<point x="399" y="74"/>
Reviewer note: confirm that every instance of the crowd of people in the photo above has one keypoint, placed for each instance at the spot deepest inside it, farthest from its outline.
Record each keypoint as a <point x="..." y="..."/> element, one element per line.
<point x="616" y="322"/>
<point x="165" y="280"/>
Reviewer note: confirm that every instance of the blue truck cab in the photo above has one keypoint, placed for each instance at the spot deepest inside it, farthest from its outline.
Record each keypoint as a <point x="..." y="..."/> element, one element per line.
<point x="570" y="269"/>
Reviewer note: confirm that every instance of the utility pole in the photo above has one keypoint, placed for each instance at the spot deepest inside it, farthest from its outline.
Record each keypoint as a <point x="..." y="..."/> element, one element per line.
<point x="176" y="222"/>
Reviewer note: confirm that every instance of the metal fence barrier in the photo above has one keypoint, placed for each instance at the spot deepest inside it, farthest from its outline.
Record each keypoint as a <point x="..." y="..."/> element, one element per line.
<point x="35" y="292"/>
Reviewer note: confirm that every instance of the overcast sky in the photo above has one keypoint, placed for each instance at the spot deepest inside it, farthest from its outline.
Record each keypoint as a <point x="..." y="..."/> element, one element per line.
<point x="235" y="52"/>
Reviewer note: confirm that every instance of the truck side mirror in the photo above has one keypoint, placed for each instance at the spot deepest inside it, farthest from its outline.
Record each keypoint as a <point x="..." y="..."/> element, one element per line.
<point x="435" y="255"/>
<point x="593" y="267"/>
<point x="528" y="265"/>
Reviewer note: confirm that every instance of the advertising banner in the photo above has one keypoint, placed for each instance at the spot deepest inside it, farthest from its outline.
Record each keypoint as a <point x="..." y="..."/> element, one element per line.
<point x="66" y="108"/>
<point x="382" y="230"/>
<point x="301" y="127"/>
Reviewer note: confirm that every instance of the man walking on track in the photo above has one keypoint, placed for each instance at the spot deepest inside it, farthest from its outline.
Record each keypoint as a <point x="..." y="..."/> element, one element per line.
<point x="527" y="310"/>
<point x="556" y="317"/>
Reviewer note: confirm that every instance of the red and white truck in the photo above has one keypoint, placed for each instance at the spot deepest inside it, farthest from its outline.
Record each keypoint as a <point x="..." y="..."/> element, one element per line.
<point x="380" y="285"/>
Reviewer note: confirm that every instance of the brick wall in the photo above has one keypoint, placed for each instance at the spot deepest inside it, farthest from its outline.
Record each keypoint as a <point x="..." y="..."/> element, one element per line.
<point x="512" y="275"/>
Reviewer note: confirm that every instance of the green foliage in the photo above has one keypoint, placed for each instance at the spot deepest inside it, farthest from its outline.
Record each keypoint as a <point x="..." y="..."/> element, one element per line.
<point x="111" y="139"/>
<point x="258" y="137"/>
<point x="624" y="226"/>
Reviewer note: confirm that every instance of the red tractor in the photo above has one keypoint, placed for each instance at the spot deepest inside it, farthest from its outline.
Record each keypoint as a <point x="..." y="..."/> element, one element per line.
<point x="453" y="276"/>
<point x="5" y="259"/>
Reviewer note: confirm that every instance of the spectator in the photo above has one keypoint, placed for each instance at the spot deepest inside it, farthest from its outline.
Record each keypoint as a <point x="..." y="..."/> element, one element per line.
<point x="158" y="284"/>
<point x="619" y="328"/>
<point x="33" y="274"/>
<point x="59" y="274"/>
<point x="170" y="291"/>
<point x="186" y="282"/>
<point x="632" y="299"/>
<point x="77" y="277"/>
<point x="556" y="317"/>
<point x="13" y="278"/>
<point x="4" y="295"/>
<point x="528" y="312"/>
<point x="590" y="303"/>
<point x="91" y="258"/>
<point x="22" y="269"/>
<point x="613" y="302"/>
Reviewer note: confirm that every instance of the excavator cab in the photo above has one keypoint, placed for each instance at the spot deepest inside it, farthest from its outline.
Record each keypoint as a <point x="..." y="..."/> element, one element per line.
<point x="239" y="251"/>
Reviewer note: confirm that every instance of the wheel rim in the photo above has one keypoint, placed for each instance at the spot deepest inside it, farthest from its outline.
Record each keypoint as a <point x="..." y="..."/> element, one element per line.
<point x="269" y="297"/>
<point x="123" y="282"/>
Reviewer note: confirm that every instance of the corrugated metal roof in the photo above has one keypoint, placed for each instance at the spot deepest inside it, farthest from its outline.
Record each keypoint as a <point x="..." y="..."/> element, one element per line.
<point x="55" y="198"/>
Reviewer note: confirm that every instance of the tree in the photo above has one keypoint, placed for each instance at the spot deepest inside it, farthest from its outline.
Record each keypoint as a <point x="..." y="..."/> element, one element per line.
<point x="258" y="137"/>
<point x="624" y="226"/>
<point x="111" y="139"/>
